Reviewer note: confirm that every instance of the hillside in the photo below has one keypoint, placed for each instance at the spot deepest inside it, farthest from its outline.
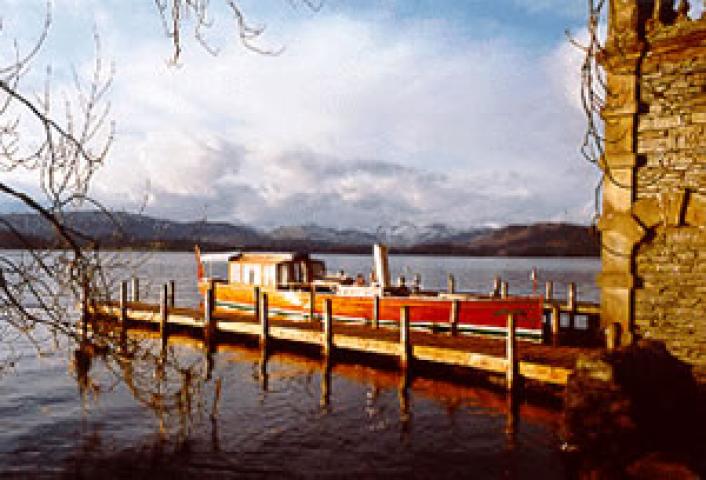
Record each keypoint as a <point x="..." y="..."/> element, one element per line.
<point x="133" y="231"/>
<point x="541" y="239"/>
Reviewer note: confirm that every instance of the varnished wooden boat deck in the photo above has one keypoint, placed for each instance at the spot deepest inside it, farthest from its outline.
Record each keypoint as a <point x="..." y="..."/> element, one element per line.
<point x="543" y="363"/>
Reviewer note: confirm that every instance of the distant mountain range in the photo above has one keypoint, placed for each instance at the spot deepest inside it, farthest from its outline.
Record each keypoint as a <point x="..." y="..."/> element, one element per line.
<point x="134" y="231"/>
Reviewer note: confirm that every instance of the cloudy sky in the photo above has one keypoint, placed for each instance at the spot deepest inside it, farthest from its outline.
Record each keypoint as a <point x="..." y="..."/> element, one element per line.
<point x="463" y="112"/>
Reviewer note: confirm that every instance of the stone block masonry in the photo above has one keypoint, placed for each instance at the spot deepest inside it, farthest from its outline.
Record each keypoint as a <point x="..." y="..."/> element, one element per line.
<point x="653" y="278"/>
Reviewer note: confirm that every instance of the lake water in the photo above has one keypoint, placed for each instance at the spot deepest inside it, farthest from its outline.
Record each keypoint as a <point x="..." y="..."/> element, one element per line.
<point x="182" y="413"/>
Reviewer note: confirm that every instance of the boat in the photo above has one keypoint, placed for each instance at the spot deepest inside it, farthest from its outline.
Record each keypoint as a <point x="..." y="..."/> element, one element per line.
<point x="298" y="285"/>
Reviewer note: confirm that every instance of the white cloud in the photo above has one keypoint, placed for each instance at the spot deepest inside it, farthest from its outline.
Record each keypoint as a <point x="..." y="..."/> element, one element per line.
<point x="358" y="123"/>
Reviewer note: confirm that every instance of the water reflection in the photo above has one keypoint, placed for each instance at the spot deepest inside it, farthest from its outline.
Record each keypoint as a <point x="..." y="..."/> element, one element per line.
<point x="184" y="408"/>
<point x="325" y="402"/>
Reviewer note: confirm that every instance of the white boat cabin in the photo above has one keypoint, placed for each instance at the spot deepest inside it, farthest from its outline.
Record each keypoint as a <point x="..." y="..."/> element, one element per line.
<point x="268" y="269"/>
<point x="293" y="271"/>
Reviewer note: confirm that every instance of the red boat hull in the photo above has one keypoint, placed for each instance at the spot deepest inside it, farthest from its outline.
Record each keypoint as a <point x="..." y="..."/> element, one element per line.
<point x="487" y="315"/>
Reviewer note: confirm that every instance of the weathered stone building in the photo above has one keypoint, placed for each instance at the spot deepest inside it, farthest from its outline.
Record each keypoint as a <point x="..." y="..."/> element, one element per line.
<point x="653" y="280"/>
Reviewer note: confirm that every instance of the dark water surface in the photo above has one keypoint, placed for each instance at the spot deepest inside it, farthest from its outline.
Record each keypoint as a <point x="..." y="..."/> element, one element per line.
<point x="183" y="413"/>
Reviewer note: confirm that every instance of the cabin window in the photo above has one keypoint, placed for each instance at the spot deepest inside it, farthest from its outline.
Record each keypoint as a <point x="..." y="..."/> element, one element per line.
<point x="248" y="274"/>
<point x="283" y="273"/>
<point x="305" y="272"/>
<point x="269" y="275"/>
<point x="318" y="270"/>
<point x="235" y="272"/>
<point x="297" y="274"/>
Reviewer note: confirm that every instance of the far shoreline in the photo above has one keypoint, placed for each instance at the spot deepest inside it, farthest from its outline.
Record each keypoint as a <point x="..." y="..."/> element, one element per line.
<point x="353" y="251"/>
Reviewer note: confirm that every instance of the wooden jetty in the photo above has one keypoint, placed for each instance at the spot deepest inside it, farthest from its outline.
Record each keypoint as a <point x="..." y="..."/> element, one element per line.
<point x="512" y="358"/>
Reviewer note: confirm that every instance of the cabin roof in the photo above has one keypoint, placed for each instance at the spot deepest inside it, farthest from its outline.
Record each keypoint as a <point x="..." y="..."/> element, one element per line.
<point x="268" y="257"/>
<point x="218" y="257"/>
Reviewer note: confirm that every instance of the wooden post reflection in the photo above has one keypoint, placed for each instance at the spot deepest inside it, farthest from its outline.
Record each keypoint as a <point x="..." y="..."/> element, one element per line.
<point x="371" y="399"/>
<point x="83" y="359"/>
<point x="215" y="439"/>
<point x="325" y="401"/>
<point x="403" y="397"/>
<point x="209" y="360"/>
<point x="263" y="373"/>
<point x="511" y="420"/>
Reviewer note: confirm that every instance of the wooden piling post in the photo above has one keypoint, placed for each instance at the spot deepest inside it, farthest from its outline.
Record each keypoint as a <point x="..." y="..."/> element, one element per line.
<point x="376" y="311"/>
<point x="123" y="302"/>
<point x="256" y="303"/>
<point x="511" y="350"/>
<point x="163" y="314"/>
<point x="328" y="327"/>
<point x="451" y="284"/>
<point x="82" y="322"/>
<point x="405" y="339"/>
<point x="496" y="287"/>
<point x="122" y="315"/>
<point x="208" y="308"/>
<point x="312" y="304"/>
<point x="503" y="290"/>
<point x="571" y="303"/>
<point x="453" y="321"/>
<point x="416" y="282"/>
<point x="548" y="291"/>
<point x="134" y="289"/>
<point x="612" y="336"/>
<point x="556" y="324"/>
<point x="264" y="321"/>
<point x="171" y="293"/>
<point x="85" y="294"/>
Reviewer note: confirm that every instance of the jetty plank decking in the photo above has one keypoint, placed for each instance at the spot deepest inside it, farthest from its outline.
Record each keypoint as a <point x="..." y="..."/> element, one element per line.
<point x="542" y="363"/>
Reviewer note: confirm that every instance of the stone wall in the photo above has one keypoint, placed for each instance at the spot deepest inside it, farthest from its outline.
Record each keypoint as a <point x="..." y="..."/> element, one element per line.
<point x="654" y="215"/>
<point x="670" y="301"/>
